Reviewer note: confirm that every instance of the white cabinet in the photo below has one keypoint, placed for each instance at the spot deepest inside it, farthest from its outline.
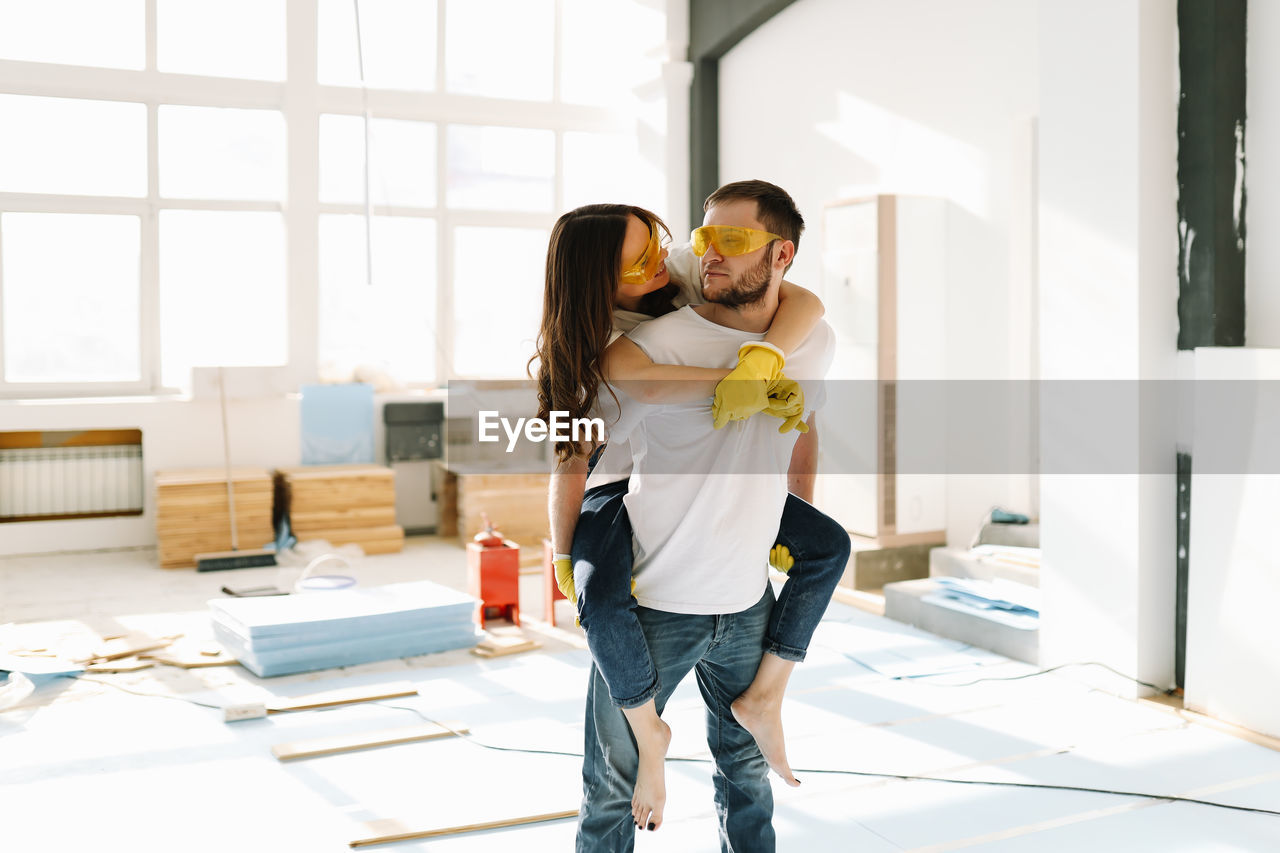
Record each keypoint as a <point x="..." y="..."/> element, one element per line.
<point x="884" y="286"/>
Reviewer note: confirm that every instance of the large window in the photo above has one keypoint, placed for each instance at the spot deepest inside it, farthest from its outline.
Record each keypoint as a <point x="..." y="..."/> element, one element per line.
<point x="189" y="185"/>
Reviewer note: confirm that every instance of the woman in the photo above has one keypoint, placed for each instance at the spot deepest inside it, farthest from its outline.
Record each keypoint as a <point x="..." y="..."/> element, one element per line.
<point x="607" y="270"/>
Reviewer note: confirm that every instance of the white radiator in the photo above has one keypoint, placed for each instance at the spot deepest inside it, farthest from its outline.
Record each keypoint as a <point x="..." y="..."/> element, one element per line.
<point x="61" y="481"/>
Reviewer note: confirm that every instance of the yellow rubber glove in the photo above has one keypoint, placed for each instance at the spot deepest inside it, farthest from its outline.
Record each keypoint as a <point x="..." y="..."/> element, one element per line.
<point x="780" y="558"/>
<point x="564" y="577"/>
<point x="745" y="390"/>
<point x="786" y="401"/>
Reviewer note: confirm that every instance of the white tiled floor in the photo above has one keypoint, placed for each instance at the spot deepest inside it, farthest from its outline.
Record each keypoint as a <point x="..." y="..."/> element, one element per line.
<point x="86" y="767"/>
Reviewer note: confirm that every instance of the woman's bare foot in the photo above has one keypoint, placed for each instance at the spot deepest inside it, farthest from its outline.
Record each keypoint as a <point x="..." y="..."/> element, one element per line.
<point x="759" y="711"/>
<point x="653" y="737"/>
<point x="763" y="719"/>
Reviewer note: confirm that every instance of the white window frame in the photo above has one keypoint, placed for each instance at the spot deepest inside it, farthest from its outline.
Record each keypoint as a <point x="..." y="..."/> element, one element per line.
<point x="301" y="100"/>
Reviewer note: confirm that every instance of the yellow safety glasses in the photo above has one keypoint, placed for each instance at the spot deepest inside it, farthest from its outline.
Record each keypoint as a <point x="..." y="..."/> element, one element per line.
<point x="647" y="267"/>
<point x="729" y="240"/>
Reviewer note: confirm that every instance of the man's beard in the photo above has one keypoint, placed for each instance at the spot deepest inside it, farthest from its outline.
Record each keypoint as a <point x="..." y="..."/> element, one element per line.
<point x="748" y="288"/>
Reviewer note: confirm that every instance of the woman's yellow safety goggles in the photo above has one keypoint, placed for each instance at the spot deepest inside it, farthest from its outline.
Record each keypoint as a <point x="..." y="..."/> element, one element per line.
<point x="647" y="267"/>
<point x="729" y="240"/>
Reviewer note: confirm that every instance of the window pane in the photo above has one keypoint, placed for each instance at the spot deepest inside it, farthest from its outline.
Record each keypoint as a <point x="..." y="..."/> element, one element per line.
<point x="230" y="38"/>
<point x="500" y="48"/>
<point x="103" y="33"/>
<point x="501" y="168"/>
<point x="605" y="71"/>
<point x="210" y="152"/>
<point x="603" y="167"/>
<point x="70" y="316"/>
<point x="390" y="324"/>
<point x="497" y="298"/>
<point x="399" y="43"/>
<point x="222" y="291"/>
<point x="402" y="161"/>
<point x="72" y="146"/>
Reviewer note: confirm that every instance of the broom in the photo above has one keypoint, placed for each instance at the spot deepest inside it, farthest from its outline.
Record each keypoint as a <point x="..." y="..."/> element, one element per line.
<point x="235" y="558"/>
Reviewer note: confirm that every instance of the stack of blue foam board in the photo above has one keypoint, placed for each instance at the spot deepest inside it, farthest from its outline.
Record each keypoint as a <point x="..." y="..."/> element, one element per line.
<point x="278" y="635"/>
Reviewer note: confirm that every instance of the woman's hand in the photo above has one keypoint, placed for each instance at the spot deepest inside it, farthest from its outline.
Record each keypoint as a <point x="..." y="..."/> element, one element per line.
<point x="745" y="390"/>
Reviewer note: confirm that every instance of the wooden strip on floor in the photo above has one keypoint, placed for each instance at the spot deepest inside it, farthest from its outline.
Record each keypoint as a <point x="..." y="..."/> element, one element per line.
<point x="345" y="696"/>
<point x="498" y="646"/>
<point x="317" y="747"/>
<point x="1174" y="705"/>
<point x="1055" y="823"/>
<point x="387" y="831"/>
<point x="867" y="602"/>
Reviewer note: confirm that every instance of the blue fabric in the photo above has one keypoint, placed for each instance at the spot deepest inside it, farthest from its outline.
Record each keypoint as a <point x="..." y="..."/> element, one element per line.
<point x="602" y="559"/>
<point x="337" y="424"/>
<point x="724" y="653"/>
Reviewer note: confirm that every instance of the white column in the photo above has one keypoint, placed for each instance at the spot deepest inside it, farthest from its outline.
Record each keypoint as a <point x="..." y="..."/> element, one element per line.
<point x="677" y="78"/>
<point x="1108" y="311"/>
<point x="301" y="212"/>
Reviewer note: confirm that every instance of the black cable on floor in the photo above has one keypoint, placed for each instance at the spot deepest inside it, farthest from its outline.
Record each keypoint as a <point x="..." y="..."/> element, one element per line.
<point x="906" y="778"/>
<point x="830" y="771"/>
<point x="1164" y="691"/>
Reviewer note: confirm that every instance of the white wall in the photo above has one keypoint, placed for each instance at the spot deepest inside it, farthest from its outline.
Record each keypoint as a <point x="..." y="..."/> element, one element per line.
<point x="1108" y="309"/>
<point x="1262" y="177"/>
<point x="835" y="99"/>
<point x="1233" y="579"/>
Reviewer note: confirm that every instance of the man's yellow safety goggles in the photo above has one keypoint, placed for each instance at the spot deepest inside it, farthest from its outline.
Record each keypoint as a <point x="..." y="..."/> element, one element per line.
<point x="729" y="240"/>
<point x="647" y="267"/>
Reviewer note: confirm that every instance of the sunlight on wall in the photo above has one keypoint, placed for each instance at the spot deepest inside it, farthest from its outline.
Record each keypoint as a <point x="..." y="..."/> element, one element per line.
<point x="912" y="157"/>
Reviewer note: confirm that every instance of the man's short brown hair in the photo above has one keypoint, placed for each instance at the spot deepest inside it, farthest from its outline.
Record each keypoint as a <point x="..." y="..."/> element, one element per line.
<point x="777" y="210"/>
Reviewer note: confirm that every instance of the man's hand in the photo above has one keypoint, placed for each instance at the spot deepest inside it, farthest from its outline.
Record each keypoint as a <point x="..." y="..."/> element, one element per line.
<point x="786" y="401"/>
<point x="746" y="389"/>
<point x="564" y="577"/>
<point x="780" y="558"/>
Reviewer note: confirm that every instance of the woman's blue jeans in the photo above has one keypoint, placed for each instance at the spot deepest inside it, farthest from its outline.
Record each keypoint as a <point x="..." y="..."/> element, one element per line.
<point x="602" y="559"/>
<point x="724" y="653"/>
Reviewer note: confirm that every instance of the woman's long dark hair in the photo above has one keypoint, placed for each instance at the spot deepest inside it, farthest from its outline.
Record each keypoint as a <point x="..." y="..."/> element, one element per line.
<point x="583" y="271"/>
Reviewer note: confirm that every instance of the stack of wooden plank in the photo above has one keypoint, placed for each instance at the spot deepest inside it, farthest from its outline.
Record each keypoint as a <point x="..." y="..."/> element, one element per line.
<point x="192" y="514"/>
<point x="342" y="504"/>
<point x="516" y="503"/>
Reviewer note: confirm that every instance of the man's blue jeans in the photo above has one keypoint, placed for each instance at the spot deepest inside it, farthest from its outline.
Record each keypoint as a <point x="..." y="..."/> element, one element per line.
<point x="602" y="562"/>
<point x="724" y="653"/>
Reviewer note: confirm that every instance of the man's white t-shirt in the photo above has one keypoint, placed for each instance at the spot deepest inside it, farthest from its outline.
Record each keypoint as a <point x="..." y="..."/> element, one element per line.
<point x="704" y="503"/>
<point x="614" y="463"/>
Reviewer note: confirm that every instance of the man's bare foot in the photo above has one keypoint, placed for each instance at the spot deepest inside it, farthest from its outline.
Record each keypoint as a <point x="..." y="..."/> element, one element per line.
<point x="763" y="719"/>
<point x="650" y="796"/>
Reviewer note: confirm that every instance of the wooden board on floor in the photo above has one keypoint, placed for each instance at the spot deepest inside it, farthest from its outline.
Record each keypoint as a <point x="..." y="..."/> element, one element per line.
<point x="122" y="665"/>
<point x="316" y="747"/>
<point x="867" y="601"/>
<point x="128" y="647"/>
<point x="186" y="660"/>
<point x="345" y="696"/>
<point x="498" y="646"/>
<point x="1175" y="705"/>
<point x="387" y="831"/>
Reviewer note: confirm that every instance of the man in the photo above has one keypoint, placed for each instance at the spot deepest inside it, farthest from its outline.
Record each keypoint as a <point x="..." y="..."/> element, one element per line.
<point x="705" y="506"/>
